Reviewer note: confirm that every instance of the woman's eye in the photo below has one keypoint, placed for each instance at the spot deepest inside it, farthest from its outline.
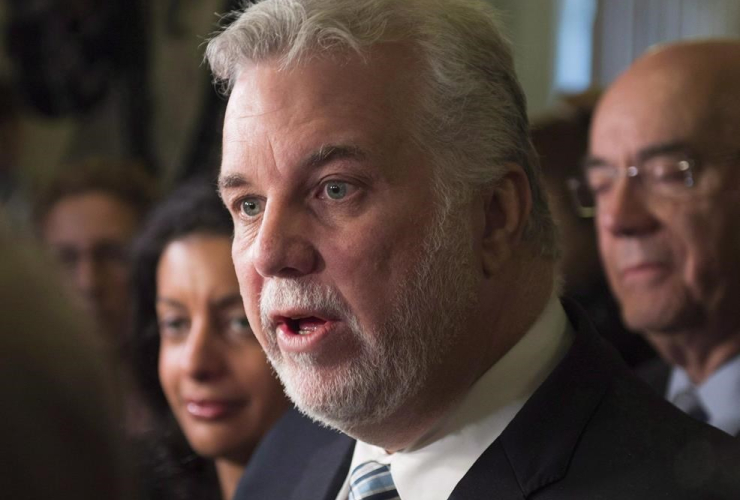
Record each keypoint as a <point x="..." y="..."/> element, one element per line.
<point x="251" y="207"/>
<point x="336" y="190"/>
<point x="239" y="326"/>
<point x="173" y="327"/>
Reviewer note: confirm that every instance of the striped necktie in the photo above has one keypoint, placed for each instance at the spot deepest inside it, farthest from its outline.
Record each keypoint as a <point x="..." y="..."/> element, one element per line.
<point x="372" y="481"/>
<point x="688" y="401"/>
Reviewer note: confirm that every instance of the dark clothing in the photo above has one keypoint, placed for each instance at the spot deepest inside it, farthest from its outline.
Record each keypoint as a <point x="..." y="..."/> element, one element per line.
<point x="592" y="430"/>
<point x="603" y="311"/>
<point x="656" y="374"/>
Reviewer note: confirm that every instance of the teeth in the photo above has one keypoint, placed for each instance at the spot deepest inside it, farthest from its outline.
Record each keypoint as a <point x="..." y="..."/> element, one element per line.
<point x="306" y="330"/>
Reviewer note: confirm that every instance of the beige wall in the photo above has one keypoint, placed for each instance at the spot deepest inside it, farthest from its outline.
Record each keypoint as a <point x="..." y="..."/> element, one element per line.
<point x="531" y="25"/>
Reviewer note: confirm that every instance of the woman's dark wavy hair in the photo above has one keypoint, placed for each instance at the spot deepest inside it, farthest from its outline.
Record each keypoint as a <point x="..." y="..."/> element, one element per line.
<point x="193" y="208"/>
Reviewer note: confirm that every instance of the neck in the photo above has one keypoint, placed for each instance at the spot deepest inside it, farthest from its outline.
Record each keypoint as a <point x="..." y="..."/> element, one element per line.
<point x="228" y="473"/>
<point x="699" y="353"/>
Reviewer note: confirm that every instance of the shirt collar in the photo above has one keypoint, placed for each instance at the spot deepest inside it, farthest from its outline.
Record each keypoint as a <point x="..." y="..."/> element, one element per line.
<point x="431" y="469"/>
<point x="719" y="394"/>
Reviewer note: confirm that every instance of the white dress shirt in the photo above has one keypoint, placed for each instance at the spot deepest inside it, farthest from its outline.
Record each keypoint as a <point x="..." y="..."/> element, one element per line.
<point x="430" y="470"/>
<point x="719" y="395"/>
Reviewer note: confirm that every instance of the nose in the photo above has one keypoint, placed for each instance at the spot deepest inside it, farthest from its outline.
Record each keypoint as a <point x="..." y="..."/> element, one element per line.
<point x="201" y="357"/>
<point x="87" y="276"/>
<point x="283" y="246"/>
<point x="625" y="211"/>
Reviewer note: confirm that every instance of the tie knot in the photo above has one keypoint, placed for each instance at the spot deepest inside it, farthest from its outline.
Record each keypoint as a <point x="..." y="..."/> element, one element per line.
<point x="689" y="402"/>
<point x="372" y="481"/>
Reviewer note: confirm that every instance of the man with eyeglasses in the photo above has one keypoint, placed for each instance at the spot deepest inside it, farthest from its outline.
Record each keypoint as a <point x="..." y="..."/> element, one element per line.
<point x="663" y="176"/>
<point x="87" y="217"/>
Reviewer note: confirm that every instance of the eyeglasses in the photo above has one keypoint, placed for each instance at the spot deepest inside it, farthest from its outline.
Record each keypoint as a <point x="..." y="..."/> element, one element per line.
<point x="664" y="176"/>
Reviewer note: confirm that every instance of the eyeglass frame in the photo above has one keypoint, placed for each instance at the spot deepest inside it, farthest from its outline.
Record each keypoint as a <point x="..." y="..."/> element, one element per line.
<point x="693" y="166"/>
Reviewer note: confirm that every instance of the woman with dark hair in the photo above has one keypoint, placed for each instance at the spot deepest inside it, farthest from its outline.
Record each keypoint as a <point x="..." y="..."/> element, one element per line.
<point x="212" y="393"/>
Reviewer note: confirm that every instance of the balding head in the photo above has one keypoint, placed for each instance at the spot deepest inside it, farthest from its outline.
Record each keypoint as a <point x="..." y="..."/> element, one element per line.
<point x="693" y="85"/>
<point x="670" y="240"/>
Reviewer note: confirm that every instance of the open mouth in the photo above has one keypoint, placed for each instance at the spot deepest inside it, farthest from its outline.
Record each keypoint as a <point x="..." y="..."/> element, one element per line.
<point x="302" y="326"/>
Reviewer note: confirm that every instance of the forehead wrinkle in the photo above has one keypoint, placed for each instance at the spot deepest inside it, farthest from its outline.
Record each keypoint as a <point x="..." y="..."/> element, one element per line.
<point x="663" y="148"/>
<point x="260" y="114"/>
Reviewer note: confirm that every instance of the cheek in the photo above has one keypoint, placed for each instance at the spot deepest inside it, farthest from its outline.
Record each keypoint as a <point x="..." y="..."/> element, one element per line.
<point x="605" y="245"/>
<point x="240" y="252"/>
<point x="701" y="248"/>
<point x="362" y="269"/>
<point x="250" y="282"/>
<point x="168" y="373"/>
<point x="376" y="248"/>
<point x="359" y="256"/>
<point x="116" y="278"/>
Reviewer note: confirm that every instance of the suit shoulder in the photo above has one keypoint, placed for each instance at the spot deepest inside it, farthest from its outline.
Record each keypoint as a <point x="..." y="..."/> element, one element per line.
<point x="656" y="448"/>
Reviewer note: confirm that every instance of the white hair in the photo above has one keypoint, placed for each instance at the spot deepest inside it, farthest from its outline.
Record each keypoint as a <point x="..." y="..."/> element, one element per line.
<point x="472" y="116"/>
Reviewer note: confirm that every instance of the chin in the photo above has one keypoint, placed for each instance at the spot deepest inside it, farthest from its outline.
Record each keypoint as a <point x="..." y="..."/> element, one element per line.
<point x="662" y="318"/>
<point x="225" y="449"/>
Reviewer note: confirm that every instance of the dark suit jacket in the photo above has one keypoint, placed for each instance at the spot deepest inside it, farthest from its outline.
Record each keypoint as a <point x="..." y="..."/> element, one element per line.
<point x="591" y="431"/>
<point x="655" y="373"/>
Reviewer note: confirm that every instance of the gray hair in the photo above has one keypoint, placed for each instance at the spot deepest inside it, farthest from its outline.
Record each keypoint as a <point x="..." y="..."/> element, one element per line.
<point x="472" y="115"/>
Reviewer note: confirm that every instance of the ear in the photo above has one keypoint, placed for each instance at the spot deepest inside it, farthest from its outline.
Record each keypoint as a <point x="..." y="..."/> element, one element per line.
<point x="507" y="206"/>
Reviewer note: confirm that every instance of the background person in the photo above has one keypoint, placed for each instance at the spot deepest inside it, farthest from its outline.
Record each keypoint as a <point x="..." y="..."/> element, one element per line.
<point x="561" y="139"/>
<point x="195" y="352"/>
<point x="664" y="170"/>
<point x="87" y="217"/>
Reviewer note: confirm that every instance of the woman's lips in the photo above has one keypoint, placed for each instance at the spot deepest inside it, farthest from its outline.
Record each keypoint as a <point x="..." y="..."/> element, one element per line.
<point x="212" y="409"/>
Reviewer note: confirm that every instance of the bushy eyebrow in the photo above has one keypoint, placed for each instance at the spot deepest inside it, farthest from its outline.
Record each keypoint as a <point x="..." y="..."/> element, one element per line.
<point x="332" y="152"/>
<point x="231" y="181"/>
<point x="325" y="154"/>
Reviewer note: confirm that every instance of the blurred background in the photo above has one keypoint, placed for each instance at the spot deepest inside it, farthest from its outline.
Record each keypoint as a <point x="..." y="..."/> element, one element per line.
<point x="124" y="79"/>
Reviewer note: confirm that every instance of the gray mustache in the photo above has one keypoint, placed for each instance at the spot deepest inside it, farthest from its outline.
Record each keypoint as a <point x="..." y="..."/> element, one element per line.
<point x="282" y="294"/>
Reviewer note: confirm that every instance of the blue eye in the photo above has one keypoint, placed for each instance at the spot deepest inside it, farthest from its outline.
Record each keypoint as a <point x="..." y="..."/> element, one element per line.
<point x="251" y="207"/>
<point x="336" y="190"/>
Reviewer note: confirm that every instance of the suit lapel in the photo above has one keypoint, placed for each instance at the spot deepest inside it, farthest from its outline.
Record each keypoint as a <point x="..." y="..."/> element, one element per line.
<point x="535" y="449"/>
<point x="325" y="470"/>
<point x="490" y="477"/>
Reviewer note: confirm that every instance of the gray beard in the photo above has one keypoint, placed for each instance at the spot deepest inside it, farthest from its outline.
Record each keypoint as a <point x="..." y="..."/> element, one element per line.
<point x="396" y="360"/>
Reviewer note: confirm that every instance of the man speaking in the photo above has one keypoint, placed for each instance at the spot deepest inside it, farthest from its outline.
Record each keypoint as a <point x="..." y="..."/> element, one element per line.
<point x="396" y="257"/>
